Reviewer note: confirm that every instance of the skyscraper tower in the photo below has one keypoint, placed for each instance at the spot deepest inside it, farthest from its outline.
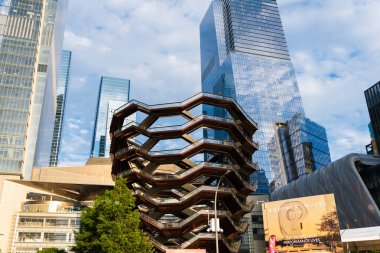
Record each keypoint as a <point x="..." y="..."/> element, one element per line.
<point x="304" y="149"/>
<point x="30" y="45"/>
<point x="63" y="82"/>
<point x="244" y="55"/>
<point x="113" y="93"/>
<point x="372" y="97"/>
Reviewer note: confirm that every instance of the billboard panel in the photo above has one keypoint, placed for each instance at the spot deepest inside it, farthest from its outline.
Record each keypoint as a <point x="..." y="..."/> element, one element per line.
<point x="309" y="223"/>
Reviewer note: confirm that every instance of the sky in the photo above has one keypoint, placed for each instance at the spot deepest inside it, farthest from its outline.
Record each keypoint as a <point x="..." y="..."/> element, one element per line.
<point x="334" y="46"/>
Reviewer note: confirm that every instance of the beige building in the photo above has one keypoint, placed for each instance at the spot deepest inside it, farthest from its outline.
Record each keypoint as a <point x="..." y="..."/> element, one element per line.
<point x="44" y="211"/>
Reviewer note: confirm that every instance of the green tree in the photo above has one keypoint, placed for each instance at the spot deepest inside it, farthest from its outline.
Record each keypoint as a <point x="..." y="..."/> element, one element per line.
<point x="112" y="224"/>
<point x="330" y="225"/>
<point x="52" y="250"/>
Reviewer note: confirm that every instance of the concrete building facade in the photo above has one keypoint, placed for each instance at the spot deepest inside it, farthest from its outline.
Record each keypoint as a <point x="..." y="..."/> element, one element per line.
<point x="43" y="212"/>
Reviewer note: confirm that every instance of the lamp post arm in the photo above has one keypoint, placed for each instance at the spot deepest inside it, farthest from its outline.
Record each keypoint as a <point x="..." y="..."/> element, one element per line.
<point x="216" y="215"/>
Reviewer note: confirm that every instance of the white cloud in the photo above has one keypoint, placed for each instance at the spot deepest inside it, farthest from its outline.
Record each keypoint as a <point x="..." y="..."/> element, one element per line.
<point x="351" y="139"/>
<point x="75" y="41"/>
<point x="334" y="53"/>
<point x="76" y="141"/>
<point x="73" y="123"/>
<point x="84" y="131"/>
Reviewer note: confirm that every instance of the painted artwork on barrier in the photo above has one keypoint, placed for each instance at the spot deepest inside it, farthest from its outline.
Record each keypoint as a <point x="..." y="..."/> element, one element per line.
<point x="309" y="223"/>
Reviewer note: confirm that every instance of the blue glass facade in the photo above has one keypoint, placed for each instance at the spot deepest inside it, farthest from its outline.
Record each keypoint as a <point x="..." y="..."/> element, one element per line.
<point x="62" y="84"/>
<point x="112" y="91"/>
<point x="304" y="148"/>
<point x="371" y="148"/>
<point x="41" y="131"/>
<point x="244" y="55"/>
<point x="31" y="36"/>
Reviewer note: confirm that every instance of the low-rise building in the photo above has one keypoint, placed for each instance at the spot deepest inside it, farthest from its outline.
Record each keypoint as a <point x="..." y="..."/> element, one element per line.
<point x="43" y="212"/>
<point x="254" y="238"/>
<point x="46" y="224"/>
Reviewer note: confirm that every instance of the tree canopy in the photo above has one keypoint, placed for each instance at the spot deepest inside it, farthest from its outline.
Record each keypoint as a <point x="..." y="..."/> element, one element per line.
<point x="112" y="224"/>
<point x="330" y="225"/>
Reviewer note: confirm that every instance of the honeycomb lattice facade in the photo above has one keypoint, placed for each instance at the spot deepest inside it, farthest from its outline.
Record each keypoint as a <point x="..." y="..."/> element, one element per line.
<point x="175" y="186"/>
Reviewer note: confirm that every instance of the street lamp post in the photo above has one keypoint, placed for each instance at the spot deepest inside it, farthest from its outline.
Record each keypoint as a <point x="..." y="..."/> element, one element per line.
<point x="216" y="214"/>
<point x="0" y="249"/>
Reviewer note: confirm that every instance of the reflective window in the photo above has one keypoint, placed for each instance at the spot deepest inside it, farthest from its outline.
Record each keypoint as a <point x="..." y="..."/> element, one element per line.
<point x="304" y="147"/>
<point x="62" y="84"/>
<point x="244" y="56"/>
<point x="115" y="91"/>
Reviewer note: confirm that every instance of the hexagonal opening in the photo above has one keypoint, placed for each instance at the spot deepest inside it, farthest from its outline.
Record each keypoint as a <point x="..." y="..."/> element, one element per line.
<point x="211" y="157"/>
<point x="206" y="109"/>
<point x="177" y="120"/>
<point x="168" y="145"/>
<point x="210" y="133"/>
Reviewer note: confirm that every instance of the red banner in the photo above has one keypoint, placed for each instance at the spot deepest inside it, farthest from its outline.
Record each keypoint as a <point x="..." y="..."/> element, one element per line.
<point x="272" y="244"/>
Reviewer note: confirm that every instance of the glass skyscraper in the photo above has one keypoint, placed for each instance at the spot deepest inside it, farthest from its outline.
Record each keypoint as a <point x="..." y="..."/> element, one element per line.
<point x="62" y="84"/>
<point x="244" y="55"/>
<point x="113" y="93"/>
<point x="31" y="36"/>
<point x="304" y="148"/>
<point x="372" y="97"/>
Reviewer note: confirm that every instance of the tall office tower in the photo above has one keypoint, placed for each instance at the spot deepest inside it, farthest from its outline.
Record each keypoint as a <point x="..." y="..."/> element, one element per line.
<point x="63" y="82"/>
<point x="244" y="55"/>
<point x="372" y="96"/>
<point x="113" y="93"/>
<point x="304" y="148"/>
<point x="30" y="45"/>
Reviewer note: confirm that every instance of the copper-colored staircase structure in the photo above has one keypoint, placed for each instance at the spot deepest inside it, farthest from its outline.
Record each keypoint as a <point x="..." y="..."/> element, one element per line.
<point x="175" y="194"/>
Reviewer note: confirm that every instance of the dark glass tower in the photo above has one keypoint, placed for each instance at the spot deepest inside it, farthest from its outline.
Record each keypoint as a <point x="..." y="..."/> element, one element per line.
<point x="63" y="82"/>
<point x="244" y="55"/>
<point x="372" y="96"/>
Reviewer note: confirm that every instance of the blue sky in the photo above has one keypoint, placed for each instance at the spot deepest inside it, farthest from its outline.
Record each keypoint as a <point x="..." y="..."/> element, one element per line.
<point x="334" y="46"/>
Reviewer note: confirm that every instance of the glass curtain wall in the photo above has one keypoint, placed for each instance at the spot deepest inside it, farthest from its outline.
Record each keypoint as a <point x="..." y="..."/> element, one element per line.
<point x="26" y="34"/>
<point x="304" y="147"/>
<point x="244" y="55"/>
<point x="18" y="53"/>
<point x="43" y="106"/>
<point x="116" y="91"/>
<point x="62" y="85"/>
